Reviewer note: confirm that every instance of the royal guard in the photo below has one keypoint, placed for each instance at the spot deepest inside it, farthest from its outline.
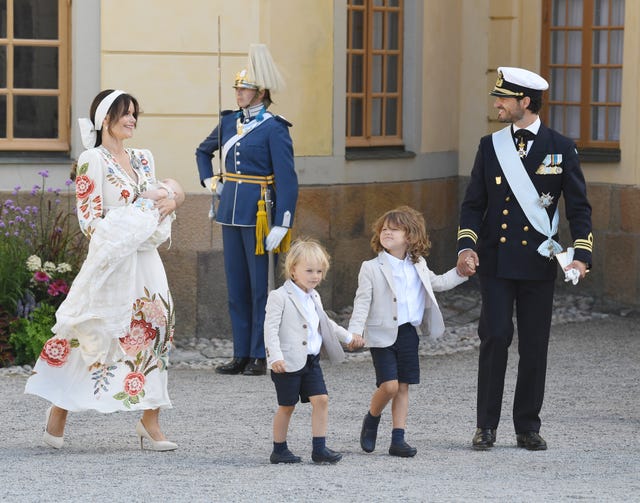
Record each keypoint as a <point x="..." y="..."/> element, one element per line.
<point x="258" y="191"/>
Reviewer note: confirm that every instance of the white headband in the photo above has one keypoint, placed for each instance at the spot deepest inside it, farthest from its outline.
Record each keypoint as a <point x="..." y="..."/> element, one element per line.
<point x="88" y="128"/>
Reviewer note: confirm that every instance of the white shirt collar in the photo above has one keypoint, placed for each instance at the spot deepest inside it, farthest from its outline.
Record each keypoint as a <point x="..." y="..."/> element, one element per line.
<point x="534" y="127"/>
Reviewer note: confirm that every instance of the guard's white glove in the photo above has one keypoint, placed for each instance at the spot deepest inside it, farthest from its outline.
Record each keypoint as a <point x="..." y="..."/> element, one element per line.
<point x="208" y="183"/>
<point x="274" y="237"/>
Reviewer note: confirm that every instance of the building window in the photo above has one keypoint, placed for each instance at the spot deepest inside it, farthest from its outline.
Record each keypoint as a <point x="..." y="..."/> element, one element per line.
<point x="374" y="73"/>
<point x="34" y="75"/>
<point x="582" y="57"/>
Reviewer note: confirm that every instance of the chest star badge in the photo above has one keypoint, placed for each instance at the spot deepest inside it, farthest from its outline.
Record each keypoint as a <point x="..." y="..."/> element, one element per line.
<point x="546" y="200"/>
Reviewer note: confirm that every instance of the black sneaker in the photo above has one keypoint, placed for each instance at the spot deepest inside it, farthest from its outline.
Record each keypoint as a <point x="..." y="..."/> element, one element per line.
<point x="402" y="450"/>
<point x="326" y="455"/>
<point x="285" y="456"/>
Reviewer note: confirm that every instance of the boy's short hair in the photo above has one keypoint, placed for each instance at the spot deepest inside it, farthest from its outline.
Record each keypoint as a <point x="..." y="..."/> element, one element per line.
<point x="309" y="250"/>
<point x="412" y="222"/>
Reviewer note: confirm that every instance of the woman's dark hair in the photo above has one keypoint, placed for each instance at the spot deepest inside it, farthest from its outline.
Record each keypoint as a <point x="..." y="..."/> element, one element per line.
<point x="118" y="108"/>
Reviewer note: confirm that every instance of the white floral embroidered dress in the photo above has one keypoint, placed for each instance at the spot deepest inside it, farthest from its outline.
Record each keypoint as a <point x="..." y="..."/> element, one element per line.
<point x="114" y="330"/>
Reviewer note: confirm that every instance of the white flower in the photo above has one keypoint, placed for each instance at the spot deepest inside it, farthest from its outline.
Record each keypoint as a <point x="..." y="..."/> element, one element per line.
<point x="34" y="263"/>
<point x="63" y="267"/>
<point x="49" y="267"/>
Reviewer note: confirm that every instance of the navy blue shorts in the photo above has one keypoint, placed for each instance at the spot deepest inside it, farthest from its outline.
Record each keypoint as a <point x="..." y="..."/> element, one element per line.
<point x="306" y="382"/>
<point x="400" y="360"/>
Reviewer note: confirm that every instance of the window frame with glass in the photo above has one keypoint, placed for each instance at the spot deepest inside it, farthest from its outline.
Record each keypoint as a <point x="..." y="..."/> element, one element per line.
<point x="34" y="75"/>
<point x="374" y="73"/>
<point x="584" y="38"/>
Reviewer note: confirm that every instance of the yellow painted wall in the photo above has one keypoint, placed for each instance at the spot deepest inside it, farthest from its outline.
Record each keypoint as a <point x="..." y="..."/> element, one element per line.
<point x="440" y="75"/>
<point x="473" y="104"/>
<point x="167" y="58"/>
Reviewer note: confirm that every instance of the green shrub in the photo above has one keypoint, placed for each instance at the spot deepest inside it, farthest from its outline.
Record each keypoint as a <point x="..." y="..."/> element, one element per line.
<point x="28" y="335"/>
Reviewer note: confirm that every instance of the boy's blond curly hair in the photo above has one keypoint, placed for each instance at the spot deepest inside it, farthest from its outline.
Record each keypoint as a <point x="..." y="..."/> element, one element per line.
<point x="409" y="220"/>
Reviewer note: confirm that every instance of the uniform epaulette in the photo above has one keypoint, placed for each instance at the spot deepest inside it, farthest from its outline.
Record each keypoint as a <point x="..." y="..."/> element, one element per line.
<point x="283" y="120"/>
<point x="226" y="112"/>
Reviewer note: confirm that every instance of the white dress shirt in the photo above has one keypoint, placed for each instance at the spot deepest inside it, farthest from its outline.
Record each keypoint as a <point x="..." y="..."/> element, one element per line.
<point x="410" y="293"/>
<point x="314" y="339"/>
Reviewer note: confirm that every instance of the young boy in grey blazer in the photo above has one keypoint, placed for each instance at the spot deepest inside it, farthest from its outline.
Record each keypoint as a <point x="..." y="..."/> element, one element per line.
<point x="395" y="290"/>
<point x="296" y="329"/>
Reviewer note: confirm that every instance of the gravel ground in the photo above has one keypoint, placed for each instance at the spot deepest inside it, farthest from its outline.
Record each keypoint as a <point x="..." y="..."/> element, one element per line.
<point x="591" y="421"/>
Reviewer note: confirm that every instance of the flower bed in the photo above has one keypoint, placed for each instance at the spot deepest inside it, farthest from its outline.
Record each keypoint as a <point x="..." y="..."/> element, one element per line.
<point x="41" y="250"/>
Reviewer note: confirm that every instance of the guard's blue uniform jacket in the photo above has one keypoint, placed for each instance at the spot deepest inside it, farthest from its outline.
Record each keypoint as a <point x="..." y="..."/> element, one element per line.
<point x="266" y="150"/>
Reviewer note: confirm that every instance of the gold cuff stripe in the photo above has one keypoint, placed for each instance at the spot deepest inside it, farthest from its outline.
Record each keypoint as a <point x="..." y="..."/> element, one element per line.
<point x="467" y="233"/>
<point x="583" y="244"/>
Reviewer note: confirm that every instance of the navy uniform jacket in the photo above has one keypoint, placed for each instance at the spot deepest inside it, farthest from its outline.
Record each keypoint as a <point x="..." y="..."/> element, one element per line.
<point x="266" y="150"/>
<point x="493" y="223"/>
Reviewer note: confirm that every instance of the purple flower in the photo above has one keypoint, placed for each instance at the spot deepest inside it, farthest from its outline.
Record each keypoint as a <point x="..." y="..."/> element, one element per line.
<point x="35" y="190"/>
<point x="8" y="203"/>
<point x="2" y="224"/>
<point x="44" y="173"/>
<point x="68" y="182"/>
<point x="16" y="189"/>
<point x="49" y="190"/>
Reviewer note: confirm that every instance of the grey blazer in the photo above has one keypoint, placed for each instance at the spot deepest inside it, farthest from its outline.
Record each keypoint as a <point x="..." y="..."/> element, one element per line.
<point x="375" y="308"/>
<point x="286" y="329"/>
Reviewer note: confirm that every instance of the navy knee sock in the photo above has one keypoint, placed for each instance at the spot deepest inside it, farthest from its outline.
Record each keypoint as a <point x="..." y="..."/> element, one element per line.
<point x="372" y="422"/>
<point x="280" y="447"/>
<point x="397" y="436"/>
<point x="319" y="443"/>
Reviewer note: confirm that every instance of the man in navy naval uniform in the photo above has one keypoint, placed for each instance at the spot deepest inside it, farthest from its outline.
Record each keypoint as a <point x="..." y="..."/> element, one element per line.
<point x="508" y="233"/>
<point x="258" y="158"/>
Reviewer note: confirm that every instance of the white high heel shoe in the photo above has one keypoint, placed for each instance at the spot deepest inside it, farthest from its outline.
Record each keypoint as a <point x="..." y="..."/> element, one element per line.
<point x="156" y="445"/>
<point x="48" y="438"/>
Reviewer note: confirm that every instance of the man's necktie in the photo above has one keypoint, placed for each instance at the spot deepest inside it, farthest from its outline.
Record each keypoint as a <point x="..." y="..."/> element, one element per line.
<point x="523" y="136"/>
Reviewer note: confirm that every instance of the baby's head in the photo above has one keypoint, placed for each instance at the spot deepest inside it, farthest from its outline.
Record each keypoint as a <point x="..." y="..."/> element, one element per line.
<point x="306" y="255"/>
<point x="412" y="223"/>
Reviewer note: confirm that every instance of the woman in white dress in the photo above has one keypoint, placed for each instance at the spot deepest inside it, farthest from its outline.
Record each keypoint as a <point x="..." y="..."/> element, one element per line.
<point x="114" y="330"/>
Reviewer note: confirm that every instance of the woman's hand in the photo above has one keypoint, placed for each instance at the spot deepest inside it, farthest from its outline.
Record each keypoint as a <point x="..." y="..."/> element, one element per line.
<point x="165" y="207"/>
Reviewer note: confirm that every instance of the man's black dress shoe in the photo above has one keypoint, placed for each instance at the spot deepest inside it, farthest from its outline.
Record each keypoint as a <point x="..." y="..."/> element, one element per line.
<point x="326" y="455"/>
<point x="256" y="367"/>
<point x="484" y="439"/>
<point x="235" y="366"/>
<point x="532" y="441"/>
<point x="403" y="450"/>
<point x="284" y="457"/>
<point x="368" y="436"/>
